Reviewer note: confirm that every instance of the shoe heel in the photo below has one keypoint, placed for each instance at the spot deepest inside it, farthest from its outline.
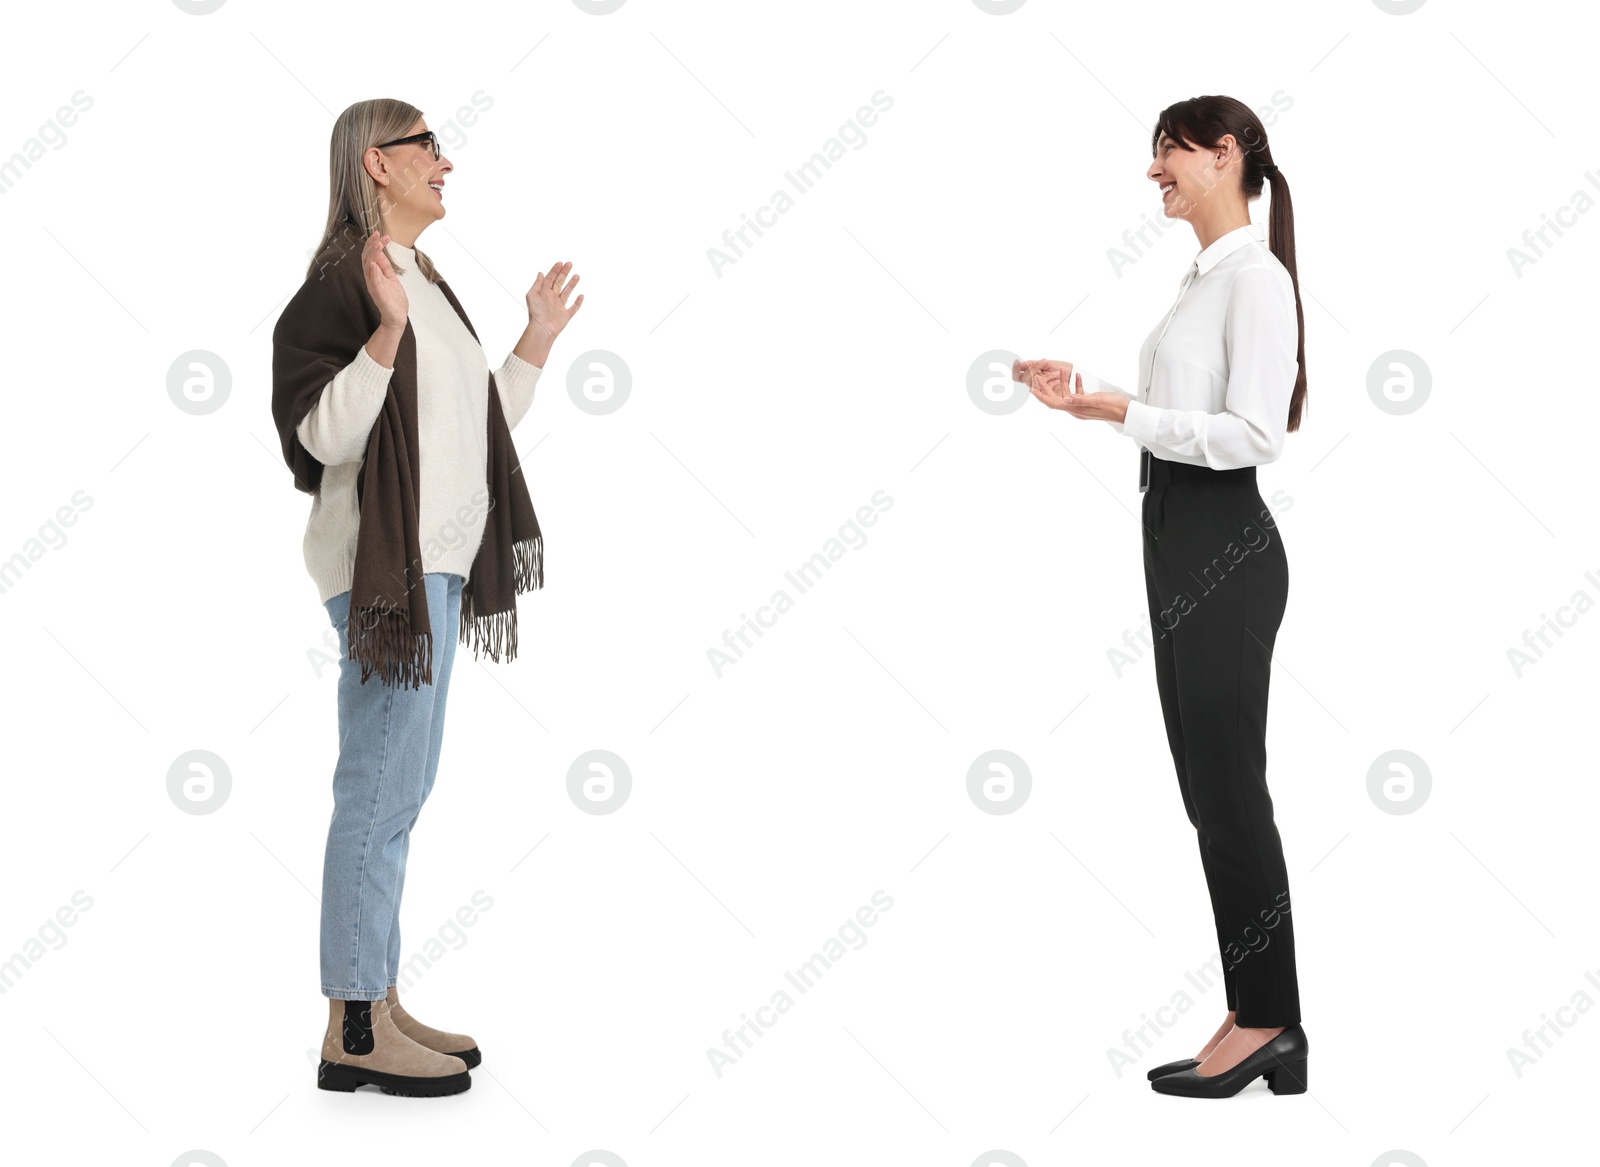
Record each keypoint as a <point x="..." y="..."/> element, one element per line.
<point x="1289" y="1078"/>
<point x="333" y="1076"/>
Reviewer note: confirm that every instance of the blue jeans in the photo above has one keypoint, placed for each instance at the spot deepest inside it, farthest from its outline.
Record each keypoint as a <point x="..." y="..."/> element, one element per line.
<point x="389" y="740"/>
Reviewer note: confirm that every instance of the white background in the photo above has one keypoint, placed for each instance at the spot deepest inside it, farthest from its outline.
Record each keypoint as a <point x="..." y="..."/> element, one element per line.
<point x="770" y="402"/>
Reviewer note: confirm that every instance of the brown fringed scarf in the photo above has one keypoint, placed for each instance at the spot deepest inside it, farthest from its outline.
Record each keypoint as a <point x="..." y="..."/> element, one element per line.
<point x="320" y="331"/>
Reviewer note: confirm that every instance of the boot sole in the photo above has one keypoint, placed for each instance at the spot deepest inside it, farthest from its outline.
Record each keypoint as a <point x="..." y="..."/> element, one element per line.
<point x="345" y="1079"/>
<point x="471" y="1056"/>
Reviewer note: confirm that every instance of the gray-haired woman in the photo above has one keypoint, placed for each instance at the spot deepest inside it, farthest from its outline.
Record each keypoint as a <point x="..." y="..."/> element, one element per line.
<point x="390" y="418"/>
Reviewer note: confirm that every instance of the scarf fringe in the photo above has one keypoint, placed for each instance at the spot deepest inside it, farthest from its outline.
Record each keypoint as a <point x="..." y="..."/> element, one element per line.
<point x="496" y="633"/>
<point x="381" y="641"/>
<point x="529" y="557"/>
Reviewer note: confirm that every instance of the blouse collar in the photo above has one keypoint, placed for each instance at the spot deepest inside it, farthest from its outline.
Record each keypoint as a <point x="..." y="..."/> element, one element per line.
<point x="1225" y="245"/>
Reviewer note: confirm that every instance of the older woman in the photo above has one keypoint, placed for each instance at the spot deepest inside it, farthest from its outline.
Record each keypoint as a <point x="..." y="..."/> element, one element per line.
<point x="420" y="524"/>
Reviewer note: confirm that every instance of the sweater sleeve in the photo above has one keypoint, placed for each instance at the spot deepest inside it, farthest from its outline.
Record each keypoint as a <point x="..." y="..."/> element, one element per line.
<point x="337" y="427"/>
<point x="318" y="345"/>
<point x="516" y="381"/>
<point x="1261" y="336"/>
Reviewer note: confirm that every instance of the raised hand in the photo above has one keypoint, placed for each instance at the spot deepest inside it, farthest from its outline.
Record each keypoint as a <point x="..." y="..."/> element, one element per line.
<point x="547" y="299"/>
<point x="383" y="285"/>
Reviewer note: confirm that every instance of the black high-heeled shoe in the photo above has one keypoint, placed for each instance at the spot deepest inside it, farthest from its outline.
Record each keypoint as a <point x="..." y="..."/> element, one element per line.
<point x="1172" y="1068"/>
<point x="1282" y="1062"/>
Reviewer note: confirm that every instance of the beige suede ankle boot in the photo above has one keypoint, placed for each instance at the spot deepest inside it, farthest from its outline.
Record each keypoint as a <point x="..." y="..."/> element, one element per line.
<point x="456" y="1044"/>
<point x="363" y="1047"/>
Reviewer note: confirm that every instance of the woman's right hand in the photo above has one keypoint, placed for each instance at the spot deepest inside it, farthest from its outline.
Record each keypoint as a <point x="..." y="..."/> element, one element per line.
<point x="1052" y="376"/>
<point x="383" y="285"/>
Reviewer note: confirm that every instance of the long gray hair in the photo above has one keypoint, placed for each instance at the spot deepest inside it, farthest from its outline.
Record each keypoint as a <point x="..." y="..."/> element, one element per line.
<point x="352" y="192"/>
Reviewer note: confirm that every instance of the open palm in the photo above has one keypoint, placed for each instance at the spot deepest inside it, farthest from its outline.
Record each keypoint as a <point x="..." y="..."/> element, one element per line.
<point x="547" y="299"/>
<point x="383" y="285"/>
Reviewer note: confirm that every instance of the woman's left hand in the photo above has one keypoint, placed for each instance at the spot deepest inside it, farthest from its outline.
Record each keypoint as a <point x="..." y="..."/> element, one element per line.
<point x="547" y="299"/>
<point x="1046" y="385"/>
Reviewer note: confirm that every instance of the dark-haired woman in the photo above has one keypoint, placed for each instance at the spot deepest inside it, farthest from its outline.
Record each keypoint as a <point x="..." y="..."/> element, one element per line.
<point x="420" y="525"/>
<point x="1222" y="381"/>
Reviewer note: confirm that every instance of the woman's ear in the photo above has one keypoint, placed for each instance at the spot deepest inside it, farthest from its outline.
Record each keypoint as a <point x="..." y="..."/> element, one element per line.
<point x="1230" y="147"/>
<point x="373" y="162"/>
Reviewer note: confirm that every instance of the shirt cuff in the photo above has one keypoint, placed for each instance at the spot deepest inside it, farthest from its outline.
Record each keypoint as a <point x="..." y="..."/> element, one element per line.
<point x="1141" y="421"/>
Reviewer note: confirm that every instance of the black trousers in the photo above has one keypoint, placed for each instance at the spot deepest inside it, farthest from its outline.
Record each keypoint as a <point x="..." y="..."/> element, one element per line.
<point x="1217" y="581"/>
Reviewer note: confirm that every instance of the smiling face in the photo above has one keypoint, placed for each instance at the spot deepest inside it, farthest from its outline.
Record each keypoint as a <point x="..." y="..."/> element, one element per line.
<point x="411" y="185"/>
<point x="1187" y="177"/>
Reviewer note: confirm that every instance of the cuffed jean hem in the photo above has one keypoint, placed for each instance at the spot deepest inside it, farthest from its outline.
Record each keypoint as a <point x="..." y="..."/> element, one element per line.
<point x="355" y="994"/>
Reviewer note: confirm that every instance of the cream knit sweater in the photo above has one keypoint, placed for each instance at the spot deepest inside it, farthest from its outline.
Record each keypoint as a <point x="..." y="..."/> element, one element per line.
<point x="452" y="426"/>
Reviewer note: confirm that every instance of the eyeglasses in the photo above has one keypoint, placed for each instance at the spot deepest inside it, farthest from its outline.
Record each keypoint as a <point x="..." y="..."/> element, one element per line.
<point x="426" y="136"/>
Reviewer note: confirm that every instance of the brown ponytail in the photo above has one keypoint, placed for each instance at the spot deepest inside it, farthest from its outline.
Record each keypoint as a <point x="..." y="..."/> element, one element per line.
<point x="1204" y="122"/>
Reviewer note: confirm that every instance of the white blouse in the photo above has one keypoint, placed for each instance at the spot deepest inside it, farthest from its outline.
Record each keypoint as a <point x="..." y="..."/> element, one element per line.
<point x="1217" y="372"/>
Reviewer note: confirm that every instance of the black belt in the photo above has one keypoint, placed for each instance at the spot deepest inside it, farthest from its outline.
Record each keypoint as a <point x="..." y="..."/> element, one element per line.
<point x="1155" y="471"/>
